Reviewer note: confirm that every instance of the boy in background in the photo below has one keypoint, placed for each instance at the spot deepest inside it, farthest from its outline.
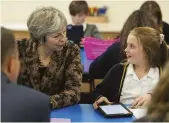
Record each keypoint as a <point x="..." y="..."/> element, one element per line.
<point x="79" y="11"/>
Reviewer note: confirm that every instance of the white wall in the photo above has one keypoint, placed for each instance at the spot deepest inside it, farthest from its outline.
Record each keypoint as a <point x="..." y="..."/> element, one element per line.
<point x="17" y="12"/>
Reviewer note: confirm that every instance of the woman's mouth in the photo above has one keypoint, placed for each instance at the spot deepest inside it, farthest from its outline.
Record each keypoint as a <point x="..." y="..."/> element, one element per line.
<point x="128" y="57"/>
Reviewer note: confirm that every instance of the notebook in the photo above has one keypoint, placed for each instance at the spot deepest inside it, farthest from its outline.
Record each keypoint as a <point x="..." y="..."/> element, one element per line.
<point x="138" y="112"/>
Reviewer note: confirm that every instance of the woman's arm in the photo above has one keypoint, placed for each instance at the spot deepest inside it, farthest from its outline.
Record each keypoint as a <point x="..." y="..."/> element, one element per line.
<point x="73" y="79"/>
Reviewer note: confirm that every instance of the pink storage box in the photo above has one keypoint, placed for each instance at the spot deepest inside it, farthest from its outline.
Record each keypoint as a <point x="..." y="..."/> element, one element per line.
<point x="95" y="47"/>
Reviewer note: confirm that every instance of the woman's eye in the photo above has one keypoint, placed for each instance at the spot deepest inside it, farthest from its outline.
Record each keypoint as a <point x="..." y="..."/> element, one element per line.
<point x="56" y="36"/>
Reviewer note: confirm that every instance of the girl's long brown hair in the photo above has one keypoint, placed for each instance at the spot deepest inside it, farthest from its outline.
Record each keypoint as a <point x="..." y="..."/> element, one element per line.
<point x="158" y="109"/>
<point x="138" y="18"/>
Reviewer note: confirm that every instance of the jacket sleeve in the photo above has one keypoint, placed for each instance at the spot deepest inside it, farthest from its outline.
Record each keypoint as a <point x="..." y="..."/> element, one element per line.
<point x="102" y="64"/>
<point x="44" y="109"/>
<point x="96" y="33"/>
<point x="109" y="87"/>
<point x="73" y="79"/>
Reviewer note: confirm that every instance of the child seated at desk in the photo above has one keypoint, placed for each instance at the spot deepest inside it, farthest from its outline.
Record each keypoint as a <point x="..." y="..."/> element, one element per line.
<point x="115" y="53"/>
<point x="132" y="81"/>
<point x="79" y="11"/>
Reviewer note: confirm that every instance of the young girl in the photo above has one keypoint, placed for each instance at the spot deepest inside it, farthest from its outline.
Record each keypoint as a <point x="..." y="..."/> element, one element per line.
<point x="131" y="82"/>
<point x="115" y="53"/>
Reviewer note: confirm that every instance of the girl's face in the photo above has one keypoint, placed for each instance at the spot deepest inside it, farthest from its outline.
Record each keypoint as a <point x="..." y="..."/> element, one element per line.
<point x="134" y="51"/>
<point x="56" y="41"/>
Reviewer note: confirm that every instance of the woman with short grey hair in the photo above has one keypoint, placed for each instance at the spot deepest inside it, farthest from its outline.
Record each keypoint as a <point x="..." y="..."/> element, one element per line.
<point x="48" y="62"/>
<point x="44" y="21"/>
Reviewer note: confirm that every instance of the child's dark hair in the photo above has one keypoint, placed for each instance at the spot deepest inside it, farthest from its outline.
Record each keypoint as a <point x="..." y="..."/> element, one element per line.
<point x="138" y="18"/>
<point x="158" y="109"/>
<point x="153" y="8"/>
<point x="77" y="7"/>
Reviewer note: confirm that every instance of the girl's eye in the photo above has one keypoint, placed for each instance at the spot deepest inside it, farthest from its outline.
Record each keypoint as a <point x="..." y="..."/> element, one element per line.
<point x="132" y="46"/>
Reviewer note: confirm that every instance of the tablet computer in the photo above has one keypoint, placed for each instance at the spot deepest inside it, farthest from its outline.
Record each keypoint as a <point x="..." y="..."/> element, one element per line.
<point x="115" y="110"/>
<point x="75" y="33"/>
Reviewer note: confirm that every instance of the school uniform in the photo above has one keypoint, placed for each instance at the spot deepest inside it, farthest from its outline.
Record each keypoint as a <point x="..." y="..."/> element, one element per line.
<point x="91" y="30"/>
<point x="122" y="85"/>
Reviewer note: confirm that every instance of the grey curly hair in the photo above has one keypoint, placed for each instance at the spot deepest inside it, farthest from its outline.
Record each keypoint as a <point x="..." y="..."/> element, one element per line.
<point x="45" y="20"/>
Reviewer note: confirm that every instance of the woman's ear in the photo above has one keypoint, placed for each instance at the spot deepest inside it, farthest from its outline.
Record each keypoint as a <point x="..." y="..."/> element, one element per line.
<point x="9" y="64"/>
<point x="44" y="39"/>
<point x="13" y="67"/>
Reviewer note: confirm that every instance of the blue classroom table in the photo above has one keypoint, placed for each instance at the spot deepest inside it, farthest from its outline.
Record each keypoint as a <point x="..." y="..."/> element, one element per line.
<point x="85" y="113"/>
<point x="85" y="62"/>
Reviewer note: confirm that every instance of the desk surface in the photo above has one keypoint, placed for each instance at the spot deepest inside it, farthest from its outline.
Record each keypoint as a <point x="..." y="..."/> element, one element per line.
<point x="85" y="62"/>
<point x="85" y="113"/>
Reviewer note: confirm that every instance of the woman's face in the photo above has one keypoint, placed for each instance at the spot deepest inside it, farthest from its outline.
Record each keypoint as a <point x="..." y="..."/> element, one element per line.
<point x="57" y="40"/>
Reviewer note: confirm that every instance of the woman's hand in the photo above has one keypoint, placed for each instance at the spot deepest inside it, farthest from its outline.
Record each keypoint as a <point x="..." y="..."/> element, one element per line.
<point x="101" y="100"/>
<point x="142" y="100"/>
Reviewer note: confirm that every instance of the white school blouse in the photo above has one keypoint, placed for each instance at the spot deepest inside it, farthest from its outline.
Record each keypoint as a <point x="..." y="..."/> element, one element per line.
<point x="133" y="87"/>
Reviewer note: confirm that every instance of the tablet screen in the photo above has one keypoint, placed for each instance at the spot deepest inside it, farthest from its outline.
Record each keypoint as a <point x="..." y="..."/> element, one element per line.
<point x="114" y="109"/>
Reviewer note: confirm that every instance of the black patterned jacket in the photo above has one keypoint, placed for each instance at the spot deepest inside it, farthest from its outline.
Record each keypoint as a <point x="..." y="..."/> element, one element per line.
<point x="62" y="78"/>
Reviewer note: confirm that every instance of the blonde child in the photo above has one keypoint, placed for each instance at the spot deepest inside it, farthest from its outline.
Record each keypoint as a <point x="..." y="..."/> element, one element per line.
<point x="131" y="82"/>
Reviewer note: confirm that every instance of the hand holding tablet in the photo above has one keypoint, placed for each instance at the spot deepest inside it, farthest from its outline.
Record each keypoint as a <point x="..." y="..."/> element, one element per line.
<point x="111" y="110"/>
<point x="101" y="101"/>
